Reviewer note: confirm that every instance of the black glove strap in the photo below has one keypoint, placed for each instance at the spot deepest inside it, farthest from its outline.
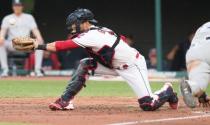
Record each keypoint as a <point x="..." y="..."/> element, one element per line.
<point x="203" y="98"/>
<point x="42" y="47"/>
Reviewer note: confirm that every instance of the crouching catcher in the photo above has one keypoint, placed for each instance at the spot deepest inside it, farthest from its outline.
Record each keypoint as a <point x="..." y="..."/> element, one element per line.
<point x="109" y="55"/>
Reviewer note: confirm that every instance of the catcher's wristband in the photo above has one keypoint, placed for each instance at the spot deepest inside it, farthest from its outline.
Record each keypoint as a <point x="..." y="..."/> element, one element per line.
<point x="42" y="47"/>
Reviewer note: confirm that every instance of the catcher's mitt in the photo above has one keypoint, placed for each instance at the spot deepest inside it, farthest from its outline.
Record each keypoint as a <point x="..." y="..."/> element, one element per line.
<point x="25" y="44"/>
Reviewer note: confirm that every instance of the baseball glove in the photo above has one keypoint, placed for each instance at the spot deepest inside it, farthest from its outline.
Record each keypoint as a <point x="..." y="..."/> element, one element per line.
<point x="204" y="101"/>
<point x="25" y="44"/>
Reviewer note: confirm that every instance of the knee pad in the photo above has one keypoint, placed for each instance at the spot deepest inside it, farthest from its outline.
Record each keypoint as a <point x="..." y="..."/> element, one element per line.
<point x="88" y="64"/>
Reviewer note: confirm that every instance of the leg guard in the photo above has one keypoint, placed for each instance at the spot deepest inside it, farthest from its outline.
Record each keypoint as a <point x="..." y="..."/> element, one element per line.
<point x="79" y="78"/>
<point x="151" y="103"/>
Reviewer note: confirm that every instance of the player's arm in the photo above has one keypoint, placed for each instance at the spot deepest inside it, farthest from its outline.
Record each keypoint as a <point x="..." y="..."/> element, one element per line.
<point x="171" y="54"/>
<point x="2" y="35"/>
<point x="35" y="30"/>
<point x="57" y="46"/>
<point x="29" y="44"/>
<point x="3" y="31"/>
<point x="38" y="35"/>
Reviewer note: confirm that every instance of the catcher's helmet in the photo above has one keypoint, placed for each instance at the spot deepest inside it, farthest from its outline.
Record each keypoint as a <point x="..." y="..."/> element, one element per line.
<point x="79" y="16"/>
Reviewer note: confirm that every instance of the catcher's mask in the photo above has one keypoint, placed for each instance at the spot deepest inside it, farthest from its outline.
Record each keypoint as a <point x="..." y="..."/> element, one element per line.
<point x="78" y="17"/>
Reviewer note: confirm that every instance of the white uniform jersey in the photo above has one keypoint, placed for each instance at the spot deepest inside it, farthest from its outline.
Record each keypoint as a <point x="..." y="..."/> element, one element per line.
<point x="96" y="39"/>
<point x="201" y="35"/>
<point x="17" y="26"/>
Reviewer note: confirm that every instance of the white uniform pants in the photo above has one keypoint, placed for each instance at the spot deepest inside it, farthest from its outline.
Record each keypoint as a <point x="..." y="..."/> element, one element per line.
<point x="135" y="75"/>
<point x="199" y="77"/>
<point x="8" y="47"/>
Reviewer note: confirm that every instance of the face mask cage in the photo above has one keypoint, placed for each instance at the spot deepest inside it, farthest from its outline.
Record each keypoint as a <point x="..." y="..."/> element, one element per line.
<point x="76" y="29"/>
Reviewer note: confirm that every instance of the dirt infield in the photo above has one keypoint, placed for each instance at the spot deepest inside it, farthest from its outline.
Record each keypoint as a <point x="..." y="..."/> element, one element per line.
<point x="97" y="111"/>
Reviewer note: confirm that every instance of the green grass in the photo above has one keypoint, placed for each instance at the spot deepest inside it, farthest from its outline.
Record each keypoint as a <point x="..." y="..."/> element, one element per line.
<point x="50" y="88"/>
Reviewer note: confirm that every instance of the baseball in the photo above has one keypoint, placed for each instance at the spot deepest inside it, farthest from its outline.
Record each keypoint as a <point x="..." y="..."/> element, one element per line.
<point x="12" y="21"/>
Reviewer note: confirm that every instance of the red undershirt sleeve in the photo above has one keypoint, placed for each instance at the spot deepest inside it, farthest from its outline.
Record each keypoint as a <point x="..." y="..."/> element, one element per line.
<point x="65" y="45"/>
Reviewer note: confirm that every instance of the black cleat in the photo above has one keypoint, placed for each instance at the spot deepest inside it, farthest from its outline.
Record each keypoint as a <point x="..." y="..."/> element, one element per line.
<point x="174" y="101"/>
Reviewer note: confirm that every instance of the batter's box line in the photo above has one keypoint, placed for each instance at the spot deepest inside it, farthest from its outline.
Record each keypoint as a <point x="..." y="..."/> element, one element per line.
<point x="201" y="112"/>
<point x="162" y="120"/>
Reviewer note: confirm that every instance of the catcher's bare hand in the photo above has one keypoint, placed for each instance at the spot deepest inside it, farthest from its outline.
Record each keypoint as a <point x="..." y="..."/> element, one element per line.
<point x="25" y="44"/>
<point x="204" y="101"/>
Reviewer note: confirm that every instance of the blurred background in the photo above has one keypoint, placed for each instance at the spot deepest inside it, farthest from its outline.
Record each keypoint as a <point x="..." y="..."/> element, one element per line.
<point x="134" y="18"/>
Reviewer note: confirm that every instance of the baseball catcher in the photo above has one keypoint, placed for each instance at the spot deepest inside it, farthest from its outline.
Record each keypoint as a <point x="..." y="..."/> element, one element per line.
<point x="109" y="55"/>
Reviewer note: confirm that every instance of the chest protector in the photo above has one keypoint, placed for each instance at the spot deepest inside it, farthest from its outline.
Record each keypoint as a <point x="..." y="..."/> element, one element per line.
<point x="105" y="55"/>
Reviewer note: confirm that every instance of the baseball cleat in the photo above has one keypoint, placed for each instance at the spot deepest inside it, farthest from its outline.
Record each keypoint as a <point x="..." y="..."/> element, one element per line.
<point x="174" y="101"/>
<point x="38" y="73"/>
<point x="5" y="73"/>
<point x="187" y="94"/>
<point x="60" y="104"/>
<point x="168" y="91"/>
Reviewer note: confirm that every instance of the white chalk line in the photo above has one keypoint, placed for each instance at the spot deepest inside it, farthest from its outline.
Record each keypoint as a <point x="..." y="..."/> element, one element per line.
<point x="125" y="123"/>
<point x="162" y="120"/>
<point x="201" y="112"/>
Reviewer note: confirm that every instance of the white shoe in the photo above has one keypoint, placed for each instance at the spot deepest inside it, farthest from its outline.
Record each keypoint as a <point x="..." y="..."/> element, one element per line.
<point x="5" y="73"/>
<point x="38" y="73"/>
<point x="70" y="106"/>
<point x="59" y="104"/>
<point x="32" y="73"/>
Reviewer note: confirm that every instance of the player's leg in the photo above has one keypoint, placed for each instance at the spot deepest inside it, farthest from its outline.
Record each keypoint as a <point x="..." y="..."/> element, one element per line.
<point x="198" y="67"/>
<point x="38" y="62"/>
<point x="3" y="59"/>
<point x="195" y="86"/>
<point x="104" y="70"/>
<point x="86" y="67"/>
<point x="137" y="77"/>
<point x="75" y="84"/>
